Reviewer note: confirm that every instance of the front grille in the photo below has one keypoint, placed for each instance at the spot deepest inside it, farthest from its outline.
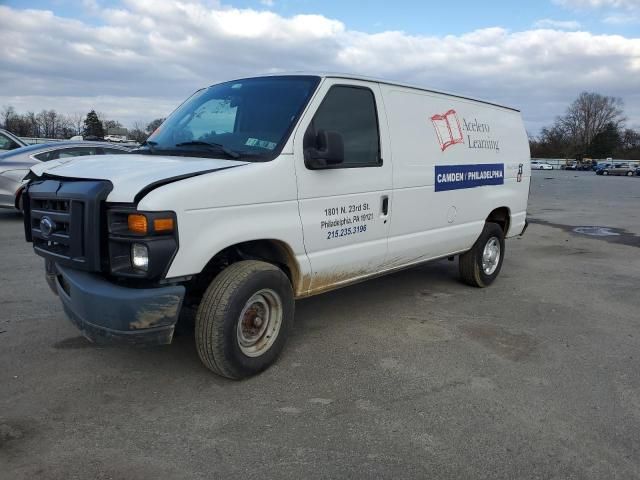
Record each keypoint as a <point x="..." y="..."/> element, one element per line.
<point x="58" y="241"/>
<point x="63" y="219"/>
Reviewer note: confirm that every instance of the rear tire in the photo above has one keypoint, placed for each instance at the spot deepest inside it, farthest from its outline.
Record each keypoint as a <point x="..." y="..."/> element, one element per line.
<point x="244" y="319"/>
<point x="480" y="266"/>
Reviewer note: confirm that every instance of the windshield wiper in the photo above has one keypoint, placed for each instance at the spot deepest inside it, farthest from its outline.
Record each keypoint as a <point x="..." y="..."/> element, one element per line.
<point x="211" y="146"/>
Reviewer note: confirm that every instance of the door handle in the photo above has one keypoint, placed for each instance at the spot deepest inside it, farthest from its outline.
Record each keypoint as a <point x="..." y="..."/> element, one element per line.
<point x="385" y="205"/>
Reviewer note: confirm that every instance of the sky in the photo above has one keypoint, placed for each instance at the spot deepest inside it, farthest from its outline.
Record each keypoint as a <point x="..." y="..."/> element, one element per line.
<point x="136" y="60"/>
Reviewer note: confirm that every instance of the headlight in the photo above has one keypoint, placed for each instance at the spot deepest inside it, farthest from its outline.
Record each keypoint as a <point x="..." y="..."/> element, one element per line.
<point x="140" y="256"/>
<point x="141" y="244"/>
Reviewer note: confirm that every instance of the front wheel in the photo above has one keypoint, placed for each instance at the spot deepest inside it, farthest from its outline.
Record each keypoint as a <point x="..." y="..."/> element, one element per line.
<point x="605" y="172"/>
<point x="244" y="319"/>
<point x="480" y="266"/>
<point x="629" y="174"/>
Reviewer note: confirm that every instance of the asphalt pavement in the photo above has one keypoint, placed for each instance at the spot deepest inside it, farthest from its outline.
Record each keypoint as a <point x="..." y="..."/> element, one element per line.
<point x="413" y="375"/>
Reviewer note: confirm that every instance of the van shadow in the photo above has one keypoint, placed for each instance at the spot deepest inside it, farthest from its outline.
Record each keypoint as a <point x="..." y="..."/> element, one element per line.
<point x="328" y="312"/>
<point x="383" y="294"/>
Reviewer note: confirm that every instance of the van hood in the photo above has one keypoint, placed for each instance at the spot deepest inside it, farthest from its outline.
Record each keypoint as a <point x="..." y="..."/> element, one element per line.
<point x="132" y="174"/>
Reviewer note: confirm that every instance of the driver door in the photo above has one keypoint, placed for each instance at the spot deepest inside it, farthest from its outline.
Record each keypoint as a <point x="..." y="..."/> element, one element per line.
<point x="345" y="207"/>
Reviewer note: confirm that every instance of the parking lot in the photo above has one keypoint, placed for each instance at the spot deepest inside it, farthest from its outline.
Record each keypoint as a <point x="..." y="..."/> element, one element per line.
<point x="413" y="375"/>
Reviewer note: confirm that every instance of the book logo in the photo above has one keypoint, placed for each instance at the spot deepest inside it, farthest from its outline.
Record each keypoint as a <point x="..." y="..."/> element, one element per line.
<point x="448" y="130"/>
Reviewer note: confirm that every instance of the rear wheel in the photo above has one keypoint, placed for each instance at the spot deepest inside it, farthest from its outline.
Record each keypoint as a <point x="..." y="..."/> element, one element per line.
<point x="480" y="266"/>
<point x="244" y="319"/>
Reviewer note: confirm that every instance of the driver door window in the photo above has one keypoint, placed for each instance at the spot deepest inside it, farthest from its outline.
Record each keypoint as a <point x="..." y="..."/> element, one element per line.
<point x="351" y="112"/>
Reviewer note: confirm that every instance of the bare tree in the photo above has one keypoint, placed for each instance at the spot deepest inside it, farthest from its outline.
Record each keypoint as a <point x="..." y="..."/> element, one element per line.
<point x="32" y="129"/>
<point x="6" y="114"/>
<point x="152" y="127"/>
<point x="77" y="121"/>
<point x="589" y="116"/>
<point x="49" y="122"/>
<point x="137" y="133"/>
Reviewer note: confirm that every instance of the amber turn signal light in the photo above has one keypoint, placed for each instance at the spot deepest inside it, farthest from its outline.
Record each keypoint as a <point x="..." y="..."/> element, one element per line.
<point x="163" y="224"/>
<point x="137" y="223"/>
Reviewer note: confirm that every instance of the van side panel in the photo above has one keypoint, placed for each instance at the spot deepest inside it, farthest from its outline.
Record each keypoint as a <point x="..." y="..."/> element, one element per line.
<point x="454" y="161"/>
<point x="257" y="201"/>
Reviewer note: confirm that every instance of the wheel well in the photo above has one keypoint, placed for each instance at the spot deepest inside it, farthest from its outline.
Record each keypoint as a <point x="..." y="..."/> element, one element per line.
<point x="272" y="251"/>
<point x="502" y="217"/>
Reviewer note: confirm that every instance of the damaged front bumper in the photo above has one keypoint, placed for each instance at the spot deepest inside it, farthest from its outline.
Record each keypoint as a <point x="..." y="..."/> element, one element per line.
<point x="109" y="313"/>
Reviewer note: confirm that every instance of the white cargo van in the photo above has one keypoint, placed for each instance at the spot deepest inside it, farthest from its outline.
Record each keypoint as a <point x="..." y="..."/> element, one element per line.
<point x="259" y="191"/>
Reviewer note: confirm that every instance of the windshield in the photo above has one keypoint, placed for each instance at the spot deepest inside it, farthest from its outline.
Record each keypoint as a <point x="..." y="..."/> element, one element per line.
<point x="249" y="119"/>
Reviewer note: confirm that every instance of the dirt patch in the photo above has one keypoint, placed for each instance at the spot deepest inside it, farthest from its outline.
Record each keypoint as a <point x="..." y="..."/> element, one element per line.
<point x="12" y="433"/>
<point x="512" y="346"/>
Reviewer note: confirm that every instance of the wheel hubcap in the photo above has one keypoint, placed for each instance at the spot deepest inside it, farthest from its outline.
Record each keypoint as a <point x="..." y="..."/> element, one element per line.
<point x="259" y="323"/>
<point x="491" y="256"/>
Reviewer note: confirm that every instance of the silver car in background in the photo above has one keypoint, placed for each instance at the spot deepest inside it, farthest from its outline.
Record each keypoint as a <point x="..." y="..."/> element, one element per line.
<point x="15" y="164"/>
<point x="8" y="141"/>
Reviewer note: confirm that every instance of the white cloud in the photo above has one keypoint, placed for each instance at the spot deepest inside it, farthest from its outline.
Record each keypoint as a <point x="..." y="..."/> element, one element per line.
<point x="148" y="55"/>
<point x="268" y="3"/>
<point x="557" y="24"/>
<point x="622" y="19"/>
<point x="586" y="4"/>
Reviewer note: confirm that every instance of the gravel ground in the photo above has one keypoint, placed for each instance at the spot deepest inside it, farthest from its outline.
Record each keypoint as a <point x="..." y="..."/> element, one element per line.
<point x="413" y="375"/>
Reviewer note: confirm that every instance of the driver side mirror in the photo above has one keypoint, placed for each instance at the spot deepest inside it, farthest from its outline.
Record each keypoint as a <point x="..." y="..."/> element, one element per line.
<point x="325" y="150"/>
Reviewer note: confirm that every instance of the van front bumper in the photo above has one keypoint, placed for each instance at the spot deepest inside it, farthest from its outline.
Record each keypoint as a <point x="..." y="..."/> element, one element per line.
<point x="109" y="313"/>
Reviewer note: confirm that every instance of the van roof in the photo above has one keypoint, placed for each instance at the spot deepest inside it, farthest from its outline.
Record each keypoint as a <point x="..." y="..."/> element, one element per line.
<point x="386" y="82"/>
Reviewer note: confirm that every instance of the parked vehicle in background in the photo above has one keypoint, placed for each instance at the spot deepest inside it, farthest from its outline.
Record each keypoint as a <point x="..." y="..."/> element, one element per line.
<point x="570" y="165"/>
<point x="617" y="169"/>
<point x="192" y="217"/>
<point x="638" y="170"/>
<point x="15" y="164"/>
<point x="116" y="138"/>
<point x="536" y="165"/>
<point x="601" y="166"/>
<point x="8" y="141"/>
<point x="585" y="164"/>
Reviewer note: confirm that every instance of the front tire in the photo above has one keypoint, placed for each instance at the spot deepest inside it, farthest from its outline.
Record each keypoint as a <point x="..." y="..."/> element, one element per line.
<point x="244" y="319"/>
<point x="480" y="266"/>
<point x="629" y="174"/>
<point x="605" y="172"/>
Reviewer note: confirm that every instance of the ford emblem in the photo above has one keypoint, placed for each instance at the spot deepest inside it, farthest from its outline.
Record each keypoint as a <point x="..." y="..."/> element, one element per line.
<point x="47" y="226"/>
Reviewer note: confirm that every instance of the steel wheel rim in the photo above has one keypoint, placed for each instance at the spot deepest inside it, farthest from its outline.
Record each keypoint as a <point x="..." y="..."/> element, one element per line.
<point x="259" y="322"/>
<point x="491" y="256"/>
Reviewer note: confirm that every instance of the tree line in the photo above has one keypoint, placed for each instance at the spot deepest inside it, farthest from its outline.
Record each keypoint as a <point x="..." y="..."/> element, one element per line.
<point x="51" y="124"/>
<point x="593" y="126"/>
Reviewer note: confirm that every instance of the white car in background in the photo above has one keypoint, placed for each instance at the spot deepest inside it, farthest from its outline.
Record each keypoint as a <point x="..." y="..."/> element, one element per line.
<point x="116" y="138"/>
<point x="541" y="165"/>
